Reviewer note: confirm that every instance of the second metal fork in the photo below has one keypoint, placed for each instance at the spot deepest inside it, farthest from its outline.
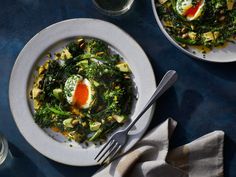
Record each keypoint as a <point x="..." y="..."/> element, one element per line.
<point x="118" y="140"/>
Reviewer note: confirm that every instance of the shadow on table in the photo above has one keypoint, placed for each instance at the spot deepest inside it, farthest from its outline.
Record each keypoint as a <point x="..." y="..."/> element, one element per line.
<point x="225" y="71"/>
<point x="229" y="154"/>
<point x="168" y="105"/>
<point x="21" y="165"/>
<point x="73" y="171"/>
<point x="182" y="113"/>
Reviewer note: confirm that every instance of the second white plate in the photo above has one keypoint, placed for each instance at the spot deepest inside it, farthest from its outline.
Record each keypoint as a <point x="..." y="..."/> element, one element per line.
<point x="218" y="55"/>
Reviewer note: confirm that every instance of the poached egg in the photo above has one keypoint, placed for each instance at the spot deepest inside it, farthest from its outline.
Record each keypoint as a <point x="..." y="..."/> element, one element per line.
<point x="189" y="9"/>
<point x="79" y="92"/>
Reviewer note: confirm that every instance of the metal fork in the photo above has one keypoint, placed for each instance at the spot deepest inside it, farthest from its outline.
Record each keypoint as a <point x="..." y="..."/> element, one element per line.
<point x="118" y="140"/>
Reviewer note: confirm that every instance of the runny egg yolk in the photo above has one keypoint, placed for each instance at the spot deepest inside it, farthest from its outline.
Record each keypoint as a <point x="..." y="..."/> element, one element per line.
<point x="81" y="94"/>
<point x="192" y="11"/>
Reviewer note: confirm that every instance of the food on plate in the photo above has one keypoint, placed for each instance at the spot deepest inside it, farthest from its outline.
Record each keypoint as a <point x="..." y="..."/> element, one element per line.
<point x="85" y="91"/>
<point x="207" y="23"/>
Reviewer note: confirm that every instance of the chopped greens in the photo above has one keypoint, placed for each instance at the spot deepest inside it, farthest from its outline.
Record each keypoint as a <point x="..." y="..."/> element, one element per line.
<point x="84" y="91"/>
<point x="207" y="23"/>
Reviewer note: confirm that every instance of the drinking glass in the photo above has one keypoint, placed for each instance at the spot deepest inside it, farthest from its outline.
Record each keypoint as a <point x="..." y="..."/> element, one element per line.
<point x="113" y="7"/>
<point x="5" y="154"/>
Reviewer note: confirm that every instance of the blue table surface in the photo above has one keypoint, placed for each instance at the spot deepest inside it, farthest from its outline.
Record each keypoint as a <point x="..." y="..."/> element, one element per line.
<point x="203" y="99"/>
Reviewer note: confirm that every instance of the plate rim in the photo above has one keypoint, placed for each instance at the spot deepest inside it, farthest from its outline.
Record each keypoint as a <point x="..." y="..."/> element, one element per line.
<point x="173" y="42"/>
<point x="18" y="60"/>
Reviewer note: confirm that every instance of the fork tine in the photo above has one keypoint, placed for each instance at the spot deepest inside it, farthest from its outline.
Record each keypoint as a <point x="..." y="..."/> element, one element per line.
<point x="113" y="142"/>
<point x="112" y="158"/>
<point x="114" y="155"/>
<point x="114" y="149"/>
<point x="103" y="149"/>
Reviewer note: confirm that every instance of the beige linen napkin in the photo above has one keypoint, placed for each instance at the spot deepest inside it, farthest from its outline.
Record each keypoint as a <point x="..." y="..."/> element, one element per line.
<point x="151" y="157"/>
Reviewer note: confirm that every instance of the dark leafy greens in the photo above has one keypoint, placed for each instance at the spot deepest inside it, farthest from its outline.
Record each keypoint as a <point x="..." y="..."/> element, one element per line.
<point x="110" y="80"/>
<point x="215" y="25"/>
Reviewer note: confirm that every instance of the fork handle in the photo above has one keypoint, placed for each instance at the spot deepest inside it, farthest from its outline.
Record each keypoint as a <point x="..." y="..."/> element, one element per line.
<point x="166" y="82"/>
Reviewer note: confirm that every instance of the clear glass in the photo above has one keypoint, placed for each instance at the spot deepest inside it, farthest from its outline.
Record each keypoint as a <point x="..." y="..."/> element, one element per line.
<point x="5" y="154"/>
<point x="113" y="7"/>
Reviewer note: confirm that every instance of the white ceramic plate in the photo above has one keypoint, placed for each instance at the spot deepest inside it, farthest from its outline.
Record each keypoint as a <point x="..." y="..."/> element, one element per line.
<point x="219" y="55"/>
<point x="33" y="54"/>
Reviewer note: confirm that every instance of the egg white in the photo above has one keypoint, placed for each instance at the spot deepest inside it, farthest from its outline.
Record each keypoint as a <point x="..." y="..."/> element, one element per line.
<point x="70" y="87"/>
<point x="182" y="6"/>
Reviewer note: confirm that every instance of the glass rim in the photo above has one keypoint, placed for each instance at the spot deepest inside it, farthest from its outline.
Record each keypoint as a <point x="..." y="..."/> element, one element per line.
<point x="114" y="12"/>
<point x="4" y="149"/>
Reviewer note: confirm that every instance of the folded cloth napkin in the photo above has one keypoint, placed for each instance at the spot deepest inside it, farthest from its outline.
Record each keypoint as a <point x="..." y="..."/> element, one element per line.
<point x="151" y="156"/>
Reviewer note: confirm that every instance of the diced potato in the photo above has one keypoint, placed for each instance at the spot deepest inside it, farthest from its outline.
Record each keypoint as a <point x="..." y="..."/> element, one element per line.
<point x="109" y="118"/>
<point x="167" y="23"/>
<point x="230" y="4"/>
<point x="94" y="126"/>
<point x="68" y="123"/>
<point x="41" y="69"/>
<point x="37" y="104"/>
<point x="96" y="84"/>
<point x="38" y="80"/>
<point x="64" y="54"/>
<point x="123" y="67"/>
<point x="162" y="1"/>
<point x="119" y="119"/>
<point x="57" y="93"/>
<point x="216" y="34"/>
<point x="35" y="92"/>
<point x="75" y="122"/>
<point x="73" y="135"/>
<point x="208" y="36"/>
<point x="192" y="35"/>
<point x="46" y="64"/>
<point x="84" y="124"/>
